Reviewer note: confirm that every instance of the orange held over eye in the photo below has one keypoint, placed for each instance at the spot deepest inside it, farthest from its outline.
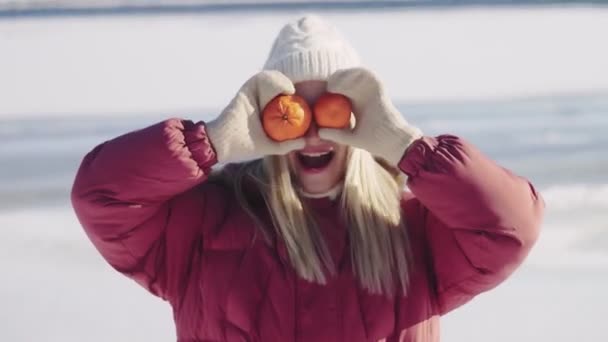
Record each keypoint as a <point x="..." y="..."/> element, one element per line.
<point x="333" y="111"/>
<point x="286" y="117"/>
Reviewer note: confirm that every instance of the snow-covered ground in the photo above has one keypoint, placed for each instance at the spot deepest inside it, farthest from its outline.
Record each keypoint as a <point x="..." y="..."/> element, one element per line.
<point x="139" y="64"/>
<point x="67" y="84"/>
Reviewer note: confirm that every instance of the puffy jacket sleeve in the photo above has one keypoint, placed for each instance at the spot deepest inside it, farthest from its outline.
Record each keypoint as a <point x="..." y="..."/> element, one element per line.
<point x="125" y="195"/>
<point x="480" y="219"/>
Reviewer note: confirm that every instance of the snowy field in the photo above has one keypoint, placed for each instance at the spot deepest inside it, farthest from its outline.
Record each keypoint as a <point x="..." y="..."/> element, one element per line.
<point x="114" y="65"/>
<point x="528" y="86"/>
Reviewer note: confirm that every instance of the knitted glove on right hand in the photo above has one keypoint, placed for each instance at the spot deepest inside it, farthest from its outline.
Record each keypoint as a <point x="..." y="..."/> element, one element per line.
<point x="237" y="133"/>
<point x="380" y="128"/>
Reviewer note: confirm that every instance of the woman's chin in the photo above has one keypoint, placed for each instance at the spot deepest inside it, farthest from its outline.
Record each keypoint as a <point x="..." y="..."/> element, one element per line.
<point x="318" y="180"/>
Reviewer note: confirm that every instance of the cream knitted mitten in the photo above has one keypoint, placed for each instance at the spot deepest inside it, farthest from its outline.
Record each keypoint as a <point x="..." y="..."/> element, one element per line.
<point x="380" y="128"/>
<point x="237" y="133"/>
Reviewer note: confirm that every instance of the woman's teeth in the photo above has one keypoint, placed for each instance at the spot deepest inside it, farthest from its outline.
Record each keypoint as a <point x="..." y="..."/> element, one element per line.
<point x="314" y="154"/>
<point x="315" y="160"/>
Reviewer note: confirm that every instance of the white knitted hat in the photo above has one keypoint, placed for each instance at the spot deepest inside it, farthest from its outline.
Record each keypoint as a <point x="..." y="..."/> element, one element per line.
<point x="310" y="49"/>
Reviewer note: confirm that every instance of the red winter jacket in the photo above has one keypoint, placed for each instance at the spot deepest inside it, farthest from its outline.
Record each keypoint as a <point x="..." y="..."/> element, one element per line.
<point x="144" y="203"/>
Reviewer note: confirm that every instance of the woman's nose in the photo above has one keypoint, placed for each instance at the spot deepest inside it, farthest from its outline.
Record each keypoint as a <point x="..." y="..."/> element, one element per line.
<point x="313" y="133"/>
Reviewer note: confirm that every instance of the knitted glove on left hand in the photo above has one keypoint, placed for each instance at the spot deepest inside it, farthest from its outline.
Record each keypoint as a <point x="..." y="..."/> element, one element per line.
<point x="380" y="128"/>
<point x="237" y="133"/>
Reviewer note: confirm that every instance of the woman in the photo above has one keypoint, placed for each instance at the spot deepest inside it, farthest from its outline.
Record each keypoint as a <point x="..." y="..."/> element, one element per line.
<point x="311" y="239"/>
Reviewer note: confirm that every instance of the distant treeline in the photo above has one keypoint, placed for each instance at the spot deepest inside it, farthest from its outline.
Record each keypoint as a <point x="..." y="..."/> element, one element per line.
<point x="44" y="8"/>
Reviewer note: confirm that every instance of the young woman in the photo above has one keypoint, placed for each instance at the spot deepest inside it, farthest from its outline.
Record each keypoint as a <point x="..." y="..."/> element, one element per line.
<point x="312" y="239"/>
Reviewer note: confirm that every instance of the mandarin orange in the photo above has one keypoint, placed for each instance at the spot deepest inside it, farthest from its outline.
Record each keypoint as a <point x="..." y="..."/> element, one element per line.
<point x="332" y="111"/>
<point x="286" y="117"/>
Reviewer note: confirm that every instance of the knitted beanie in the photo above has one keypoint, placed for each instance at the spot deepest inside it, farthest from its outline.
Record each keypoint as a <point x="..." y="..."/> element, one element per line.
<point x="310" y="49"/>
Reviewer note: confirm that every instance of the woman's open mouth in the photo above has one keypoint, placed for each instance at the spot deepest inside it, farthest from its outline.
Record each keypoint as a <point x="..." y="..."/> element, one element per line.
<point x="315" y="161"/>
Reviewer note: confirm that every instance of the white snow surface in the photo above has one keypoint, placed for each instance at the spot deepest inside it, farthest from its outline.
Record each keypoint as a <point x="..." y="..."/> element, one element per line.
<point x="111" y="65"/>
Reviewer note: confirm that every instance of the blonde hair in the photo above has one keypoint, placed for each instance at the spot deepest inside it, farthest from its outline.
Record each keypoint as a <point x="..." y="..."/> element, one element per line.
<point x="371" y="209"/>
